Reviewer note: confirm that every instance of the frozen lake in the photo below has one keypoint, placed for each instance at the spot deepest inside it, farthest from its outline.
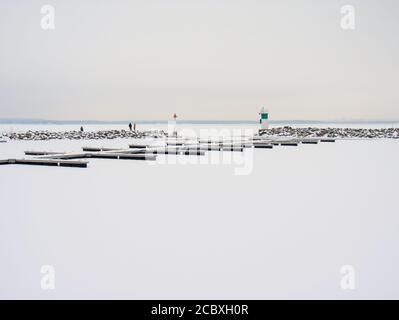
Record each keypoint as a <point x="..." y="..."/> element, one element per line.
<point x="130" y="229"/>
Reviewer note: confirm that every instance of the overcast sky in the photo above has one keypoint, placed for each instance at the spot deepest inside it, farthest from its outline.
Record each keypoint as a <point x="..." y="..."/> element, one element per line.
<point x="203" y="59"/>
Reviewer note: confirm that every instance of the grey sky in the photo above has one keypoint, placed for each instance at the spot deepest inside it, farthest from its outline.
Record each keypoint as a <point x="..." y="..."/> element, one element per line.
<point x="208" y="59"/>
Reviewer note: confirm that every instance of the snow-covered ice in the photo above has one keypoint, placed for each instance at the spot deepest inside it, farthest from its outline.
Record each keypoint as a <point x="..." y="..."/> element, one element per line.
<point x="128" y="229"/>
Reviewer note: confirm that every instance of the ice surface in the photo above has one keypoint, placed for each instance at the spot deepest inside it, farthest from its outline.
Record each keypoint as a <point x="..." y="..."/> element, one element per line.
<point x="128" y="229"/>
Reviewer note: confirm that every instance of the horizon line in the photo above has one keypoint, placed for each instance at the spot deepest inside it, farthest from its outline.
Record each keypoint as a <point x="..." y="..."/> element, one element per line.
<point x="188" y="121"/>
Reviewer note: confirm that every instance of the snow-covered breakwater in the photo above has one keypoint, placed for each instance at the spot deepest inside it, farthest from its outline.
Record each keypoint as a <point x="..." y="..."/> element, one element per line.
<point x="287" y="131"/>
<point x="392" y="133"/>
<point x="79" y="135"/>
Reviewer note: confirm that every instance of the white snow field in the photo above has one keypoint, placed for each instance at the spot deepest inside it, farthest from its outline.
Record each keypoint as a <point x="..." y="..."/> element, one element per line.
<point x="133" y="230"/>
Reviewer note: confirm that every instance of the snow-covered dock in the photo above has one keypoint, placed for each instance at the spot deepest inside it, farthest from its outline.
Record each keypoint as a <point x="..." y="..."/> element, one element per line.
<point x="46" y="162"/>
<point x="149" y="149"/>
<point x="149" y="152"/>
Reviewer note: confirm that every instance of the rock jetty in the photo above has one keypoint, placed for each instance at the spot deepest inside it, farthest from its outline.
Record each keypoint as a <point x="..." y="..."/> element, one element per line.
<point x="78" y="135"/>
<point x="287" y="131"/>
<point x="313" y="132"/>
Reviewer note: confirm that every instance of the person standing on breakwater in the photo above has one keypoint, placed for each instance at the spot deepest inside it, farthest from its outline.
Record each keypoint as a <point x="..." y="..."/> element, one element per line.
<point x="134" y="127"/>
<point x="81" y="129"/>
<point x="130" y="126"/>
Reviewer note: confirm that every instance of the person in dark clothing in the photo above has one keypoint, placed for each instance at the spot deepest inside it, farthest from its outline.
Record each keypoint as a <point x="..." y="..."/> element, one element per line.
<point x="130" y="126"/>
<point x="81" y="129"/>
